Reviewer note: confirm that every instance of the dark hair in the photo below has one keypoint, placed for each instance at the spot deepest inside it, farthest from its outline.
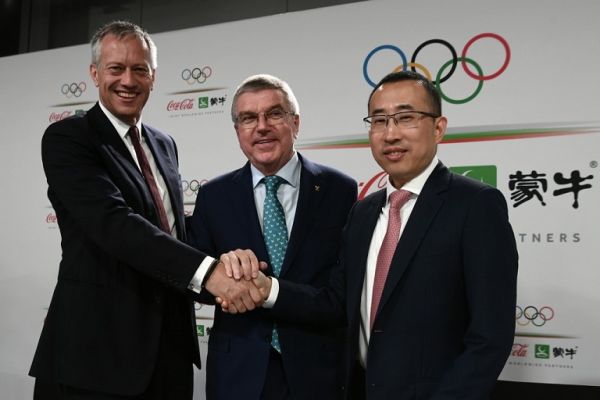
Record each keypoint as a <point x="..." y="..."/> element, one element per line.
<point x="433" y="96"/>
<point x="122" y="29"/>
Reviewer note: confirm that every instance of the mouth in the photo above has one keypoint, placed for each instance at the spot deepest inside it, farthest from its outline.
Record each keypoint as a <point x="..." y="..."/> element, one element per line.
<point x="126" y="95"/>
<point x="264" y="142"/>
<point x="394" y="153"/>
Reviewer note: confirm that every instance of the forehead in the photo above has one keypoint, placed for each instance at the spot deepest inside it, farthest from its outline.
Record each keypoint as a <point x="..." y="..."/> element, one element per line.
<point x="398" y="95"/>
<point x="259" y="100"/>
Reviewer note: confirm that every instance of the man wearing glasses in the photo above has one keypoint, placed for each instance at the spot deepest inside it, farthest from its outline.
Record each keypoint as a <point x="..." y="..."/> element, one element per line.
<point x="430" y="263"/>
<point x="289" y="211"/>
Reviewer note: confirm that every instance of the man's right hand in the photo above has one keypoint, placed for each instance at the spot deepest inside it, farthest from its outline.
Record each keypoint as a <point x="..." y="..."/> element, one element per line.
<point x="242" y="264"/>
<point x="262" y="283"/>
<point x="237" y="282"/>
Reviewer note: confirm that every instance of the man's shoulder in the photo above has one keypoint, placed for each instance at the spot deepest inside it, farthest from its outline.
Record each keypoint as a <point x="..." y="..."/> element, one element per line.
<point x="157" y="133"/>
<point x="326" y="172"/>
<point x="228" y="180"/>
<point x="72" y="128"/>
<point x="467" y="185"/>
<point x="76" y="121"/>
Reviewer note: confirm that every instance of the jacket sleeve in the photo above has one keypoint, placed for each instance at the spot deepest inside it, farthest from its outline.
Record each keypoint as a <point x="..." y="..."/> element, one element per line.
<point x="490" y="263"/>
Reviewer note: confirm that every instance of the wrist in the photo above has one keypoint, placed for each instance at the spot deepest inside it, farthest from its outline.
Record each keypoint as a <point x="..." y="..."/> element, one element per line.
<point x="211" y="269"/>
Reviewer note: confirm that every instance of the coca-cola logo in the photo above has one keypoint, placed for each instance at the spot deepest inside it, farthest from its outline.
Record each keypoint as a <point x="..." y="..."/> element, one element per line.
<point x="379" y="181"/>
<point x="186" y="104"/>
<point x="519" y="350"/>
<point x="51" y="218"/>
<point x="57" y="116"/>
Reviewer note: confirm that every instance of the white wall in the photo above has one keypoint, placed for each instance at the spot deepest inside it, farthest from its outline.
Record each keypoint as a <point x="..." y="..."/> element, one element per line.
<point x="544" y="104"/>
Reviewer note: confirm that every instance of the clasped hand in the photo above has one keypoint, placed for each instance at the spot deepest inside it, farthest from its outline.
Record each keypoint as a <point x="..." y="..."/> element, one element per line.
<point x="238" y="283"/>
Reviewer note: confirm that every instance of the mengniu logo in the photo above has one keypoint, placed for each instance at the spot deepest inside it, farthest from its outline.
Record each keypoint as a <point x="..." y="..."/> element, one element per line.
<point x="200" y="330"/>
<point x="196" y="75"/>
<point x="448" y="68"/>
<point x="542" y="351"/>
<point x="483" y="173"/>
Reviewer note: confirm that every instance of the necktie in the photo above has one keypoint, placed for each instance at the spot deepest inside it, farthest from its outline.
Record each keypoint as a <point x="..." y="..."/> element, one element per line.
<point x="388" y="247"/>
<point x="275" y="233"/>
<point x="134" y="134"/>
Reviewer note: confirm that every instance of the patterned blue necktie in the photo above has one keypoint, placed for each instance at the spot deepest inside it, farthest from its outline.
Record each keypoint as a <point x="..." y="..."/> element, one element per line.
<point x="275" y="233"/>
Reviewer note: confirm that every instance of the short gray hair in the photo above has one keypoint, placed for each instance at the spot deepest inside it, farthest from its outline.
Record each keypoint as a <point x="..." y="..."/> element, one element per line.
<point x="256" y="83"/>
<point x="122" y="29"/>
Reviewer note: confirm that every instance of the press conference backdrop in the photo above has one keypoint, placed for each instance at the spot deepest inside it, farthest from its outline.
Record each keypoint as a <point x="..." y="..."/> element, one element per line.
<point x="518" y="79"/>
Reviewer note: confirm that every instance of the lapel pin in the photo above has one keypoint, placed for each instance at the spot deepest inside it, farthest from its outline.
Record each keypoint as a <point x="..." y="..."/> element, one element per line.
<point x="317" y="187"/>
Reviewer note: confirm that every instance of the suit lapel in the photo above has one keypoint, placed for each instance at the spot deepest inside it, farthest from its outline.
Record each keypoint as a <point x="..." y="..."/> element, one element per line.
<point x="312" y="189"/>
<point x="168" y="169"/>
<point x="109" y="139"/>
<point x="428" y="204"/>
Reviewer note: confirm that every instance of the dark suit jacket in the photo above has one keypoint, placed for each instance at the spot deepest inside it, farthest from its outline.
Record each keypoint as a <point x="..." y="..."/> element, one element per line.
<point x="445" y="324"/>
<point x="311" y="337"/>
<point x="120" y="276"/>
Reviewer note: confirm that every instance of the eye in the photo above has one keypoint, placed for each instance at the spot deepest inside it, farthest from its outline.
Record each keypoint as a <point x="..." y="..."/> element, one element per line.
<point x="246" y="119"/>
<point x="142" y="71"/>
<point x="405" y="117"/>
<point x="275" y="114"/>
<point x="115" y="69"/>
<point x="378" y="120"/>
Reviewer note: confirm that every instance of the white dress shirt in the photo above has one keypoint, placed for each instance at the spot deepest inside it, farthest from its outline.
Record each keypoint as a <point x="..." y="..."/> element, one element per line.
<point x="415" y="186"/>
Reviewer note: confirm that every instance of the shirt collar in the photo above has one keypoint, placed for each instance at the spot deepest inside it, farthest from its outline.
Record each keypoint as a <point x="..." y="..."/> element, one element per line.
<point x="121" y="127"/>
<point x="290" y="172"/>
<point x="415" y="185"/>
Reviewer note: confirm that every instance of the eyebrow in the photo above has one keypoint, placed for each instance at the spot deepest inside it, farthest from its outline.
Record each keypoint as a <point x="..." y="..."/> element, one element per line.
<point x="274" y="107"/>
<point x="397" y="108"/>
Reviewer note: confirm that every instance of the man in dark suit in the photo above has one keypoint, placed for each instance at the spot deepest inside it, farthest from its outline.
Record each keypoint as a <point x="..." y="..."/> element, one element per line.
<point x="430" y="263"/>
<point x="120" y="324"/>
<point x="283" y="350"/>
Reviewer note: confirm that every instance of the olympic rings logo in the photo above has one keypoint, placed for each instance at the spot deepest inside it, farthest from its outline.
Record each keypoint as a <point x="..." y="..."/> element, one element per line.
<point x="199" y="75"/>
<point x="73" y="89"/>
<point x="524" y="316"/>
<point x="190" y="188"/>
<point x="442" y="76"/>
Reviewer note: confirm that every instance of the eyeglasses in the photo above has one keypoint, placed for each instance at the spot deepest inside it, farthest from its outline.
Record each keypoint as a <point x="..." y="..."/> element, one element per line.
<point x="402" y="119"/>
<point x="273" y="117"/>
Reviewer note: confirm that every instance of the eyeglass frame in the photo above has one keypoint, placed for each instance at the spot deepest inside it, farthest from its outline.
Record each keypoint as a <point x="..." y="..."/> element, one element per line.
<point x="368" y="119"/>
<point x="266" y="115"/>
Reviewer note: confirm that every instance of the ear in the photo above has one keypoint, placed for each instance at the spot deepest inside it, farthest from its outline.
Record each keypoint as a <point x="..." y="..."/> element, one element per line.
<point x="94" y="74"/>
<point x="440" y="128"/>
<point x="296" y="125"/>
<point x="152" y="78"/>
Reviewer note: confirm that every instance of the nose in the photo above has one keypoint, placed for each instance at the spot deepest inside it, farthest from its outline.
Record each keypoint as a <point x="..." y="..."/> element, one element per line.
<point x="127" y="77"/>
<point x="262" y="122"/>
<point x="391" y="131"/>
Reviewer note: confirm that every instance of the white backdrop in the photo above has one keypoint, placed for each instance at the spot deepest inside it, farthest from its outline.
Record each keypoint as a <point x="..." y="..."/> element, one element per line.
<point x="533" y="131"/>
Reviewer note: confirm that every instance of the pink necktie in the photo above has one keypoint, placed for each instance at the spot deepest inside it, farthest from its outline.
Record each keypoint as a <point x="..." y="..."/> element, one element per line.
<point x="149" y="177"/>
<point x="388" y="247"/>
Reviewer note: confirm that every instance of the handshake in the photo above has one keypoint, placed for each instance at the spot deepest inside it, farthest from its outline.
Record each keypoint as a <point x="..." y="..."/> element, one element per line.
<point x="237" y="282"/>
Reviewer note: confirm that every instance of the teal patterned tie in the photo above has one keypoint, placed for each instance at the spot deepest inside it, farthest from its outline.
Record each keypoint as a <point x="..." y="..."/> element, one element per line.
<point x="275" y="233"/>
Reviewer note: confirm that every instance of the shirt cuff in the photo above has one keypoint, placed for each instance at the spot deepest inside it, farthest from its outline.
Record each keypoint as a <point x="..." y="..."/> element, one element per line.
<point x="270" y="302"/>
<point x="196" y="283"/>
